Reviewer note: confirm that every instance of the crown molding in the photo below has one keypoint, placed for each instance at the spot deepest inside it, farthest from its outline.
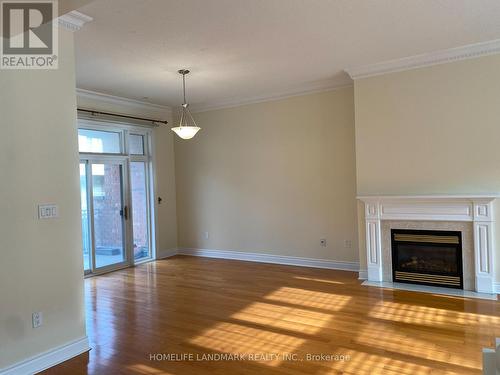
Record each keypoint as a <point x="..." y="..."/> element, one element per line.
<point x="74" y="20"/>
<point x="305" y="90"/>
<point x="469" y="51"/>
<point x="471" y="197"/>
<point x="121" y="101"/>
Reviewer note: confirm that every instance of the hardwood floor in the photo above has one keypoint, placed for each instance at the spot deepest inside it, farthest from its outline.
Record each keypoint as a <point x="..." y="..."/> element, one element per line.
<point x="196" y="306"/>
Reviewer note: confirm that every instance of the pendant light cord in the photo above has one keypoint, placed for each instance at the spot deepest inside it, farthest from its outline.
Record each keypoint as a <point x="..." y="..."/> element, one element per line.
<point x="184" y="86"/>
<point x="185" y="113"/>
<point x="184" y="104"/>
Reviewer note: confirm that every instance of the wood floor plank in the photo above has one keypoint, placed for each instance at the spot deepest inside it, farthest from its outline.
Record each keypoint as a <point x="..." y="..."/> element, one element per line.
<point x="324" y="320"/>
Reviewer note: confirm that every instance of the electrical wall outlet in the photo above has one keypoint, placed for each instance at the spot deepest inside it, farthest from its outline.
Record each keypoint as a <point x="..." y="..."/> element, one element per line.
<point x="348" y="244"/>
<point x="322" y="242"/>
<point x="206" y="235"/>
<point x="37" y="319"/>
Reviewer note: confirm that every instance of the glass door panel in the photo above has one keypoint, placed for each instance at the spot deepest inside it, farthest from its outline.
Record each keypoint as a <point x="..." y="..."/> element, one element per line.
<point x="108" y="214"/>
<point x="140" y="214"/>
<point x="86" y="244"/>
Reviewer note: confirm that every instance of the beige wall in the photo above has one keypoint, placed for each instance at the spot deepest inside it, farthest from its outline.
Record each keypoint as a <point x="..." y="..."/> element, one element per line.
<point x="164" y="162"/>
<point x="429" y="131"/>
<point x="272" y="177"/>
<point x="41" y="267"/>
<point x="433" y="130"/>
<point x="66" y="6"/>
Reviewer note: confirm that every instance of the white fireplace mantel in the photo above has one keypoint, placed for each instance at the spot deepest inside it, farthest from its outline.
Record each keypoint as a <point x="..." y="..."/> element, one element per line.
<point x="477" y="209"/>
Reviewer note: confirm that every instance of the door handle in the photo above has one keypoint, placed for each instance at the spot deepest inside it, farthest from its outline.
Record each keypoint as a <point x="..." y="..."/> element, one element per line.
<point x="124" y="212"/>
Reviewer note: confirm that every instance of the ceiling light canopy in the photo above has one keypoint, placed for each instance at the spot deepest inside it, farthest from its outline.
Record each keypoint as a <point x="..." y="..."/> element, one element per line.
<point x="187" y="128"/>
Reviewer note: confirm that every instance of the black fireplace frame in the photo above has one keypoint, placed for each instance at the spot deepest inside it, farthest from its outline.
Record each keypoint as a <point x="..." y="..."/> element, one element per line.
<point x="458" y="246"/>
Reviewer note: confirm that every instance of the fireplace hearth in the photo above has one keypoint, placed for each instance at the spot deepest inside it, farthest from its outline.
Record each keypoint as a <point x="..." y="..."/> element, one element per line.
<point x="427" y="257"/>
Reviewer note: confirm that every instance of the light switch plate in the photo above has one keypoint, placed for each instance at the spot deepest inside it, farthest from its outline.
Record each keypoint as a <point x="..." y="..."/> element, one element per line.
<point x="48" y="211"/>
<point x="37" y="319"/>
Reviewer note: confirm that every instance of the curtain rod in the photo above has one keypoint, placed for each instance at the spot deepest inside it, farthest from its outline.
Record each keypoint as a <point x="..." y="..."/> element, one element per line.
<point x="92" y="112"/>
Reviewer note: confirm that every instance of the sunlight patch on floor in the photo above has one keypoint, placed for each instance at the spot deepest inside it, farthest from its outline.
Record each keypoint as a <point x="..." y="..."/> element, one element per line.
<point x="326" y="281"/>
<point x="308" y="298"/>
<point x="362" y="363"/>
<point x="147" y="370"/>
<point x="391" y="339"/>
<point x="414" y="314"/>
<point x="283" y="317"/>
<point x="239" y="339"/>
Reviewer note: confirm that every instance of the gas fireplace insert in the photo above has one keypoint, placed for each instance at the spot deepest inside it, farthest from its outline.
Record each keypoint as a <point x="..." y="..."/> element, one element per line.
<point x="427" y="257"/>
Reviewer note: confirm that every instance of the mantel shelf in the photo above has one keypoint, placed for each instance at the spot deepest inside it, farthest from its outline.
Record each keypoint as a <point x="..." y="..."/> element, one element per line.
<point x="411" y="197"/>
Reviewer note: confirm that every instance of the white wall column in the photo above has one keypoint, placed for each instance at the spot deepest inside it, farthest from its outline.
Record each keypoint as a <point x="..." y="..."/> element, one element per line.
<point x="373" y="241"/>
<point x="484" y="246"/>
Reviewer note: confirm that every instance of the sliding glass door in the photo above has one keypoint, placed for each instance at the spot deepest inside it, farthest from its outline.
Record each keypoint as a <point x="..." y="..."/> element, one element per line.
<point x="115" y="189"/>
<point x="109" y="214"/>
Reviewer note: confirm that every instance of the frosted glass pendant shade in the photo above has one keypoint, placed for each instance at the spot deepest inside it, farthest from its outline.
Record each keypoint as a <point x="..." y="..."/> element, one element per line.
<point x="186" y="132"/>
<point x="187" y="128"/>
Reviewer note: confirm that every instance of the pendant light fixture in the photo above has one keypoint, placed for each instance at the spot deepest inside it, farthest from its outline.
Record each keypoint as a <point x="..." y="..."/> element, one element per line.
<point x="187" y="128"/>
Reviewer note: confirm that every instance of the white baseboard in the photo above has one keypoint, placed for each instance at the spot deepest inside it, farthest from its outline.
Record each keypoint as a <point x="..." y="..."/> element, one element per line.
<point x="276" y="259"/>
<point x="363" y="275"/>
<point x="48" y="359"/>
<point x="162" y="254"/>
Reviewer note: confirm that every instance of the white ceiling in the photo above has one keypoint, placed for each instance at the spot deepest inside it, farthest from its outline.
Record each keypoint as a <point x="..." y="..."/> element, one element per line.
<point x="243" y="50"/>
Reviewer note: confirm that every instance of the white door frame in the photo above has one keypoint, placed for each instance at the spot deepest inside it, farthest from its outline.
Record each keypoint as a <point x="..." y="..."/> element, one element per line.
<point x="124" y="129"/>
